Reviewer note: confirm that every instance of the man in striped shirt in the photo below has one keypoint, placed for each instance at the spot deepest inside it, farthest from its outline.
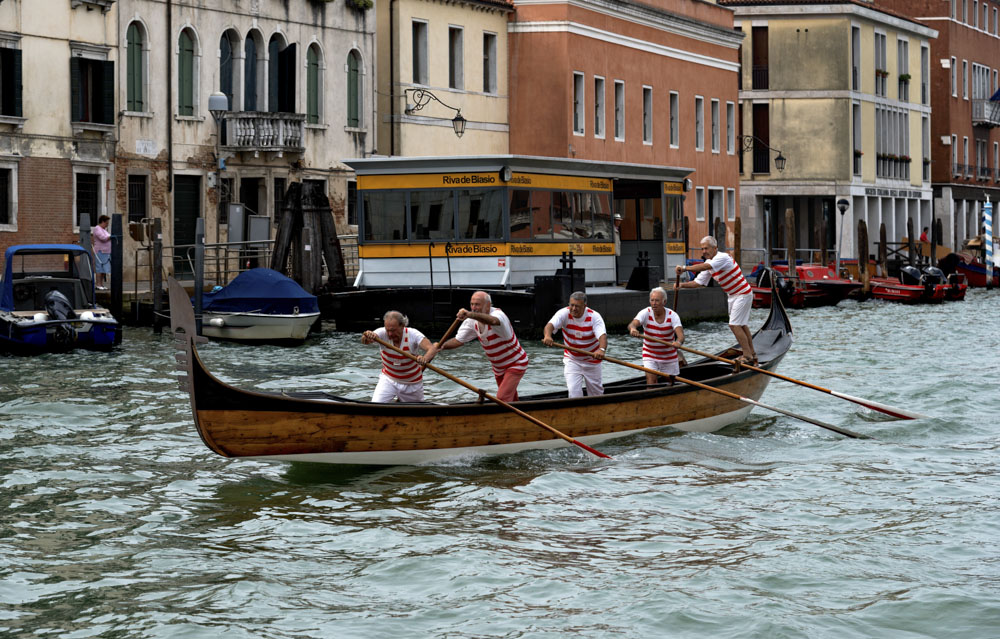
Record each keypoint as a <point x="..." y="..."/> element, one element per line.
<point x="727" y="273"/>
<point x="582" y="328"/>
<point x="401" y="378"/>
<point x="493" y="329"/>
<point x="662" y="323"/>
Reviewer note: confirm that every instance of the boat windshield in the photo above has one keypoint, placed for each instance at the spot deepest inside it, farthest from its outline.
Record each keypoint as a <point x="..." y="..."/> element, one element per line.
<point x="62" y="265"/>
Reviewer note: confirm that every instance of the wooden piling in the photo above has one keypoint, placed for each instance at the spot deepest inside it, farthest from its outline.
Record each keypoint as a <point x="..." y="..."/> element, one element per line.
<point x="790" y="241"/>
<point x="863" y="274"/>
<point x="883" y="251"/>
<point x="738" y="240"/>
<point x="910" y="245"/>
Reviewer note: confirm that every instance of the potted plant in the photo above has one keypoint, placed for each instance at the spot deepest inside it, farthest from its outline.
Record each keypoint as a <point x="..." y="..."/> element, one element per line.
<point x="858" y="153"/>
<point x="904" y="77"/>
<point x="360" y="5"/>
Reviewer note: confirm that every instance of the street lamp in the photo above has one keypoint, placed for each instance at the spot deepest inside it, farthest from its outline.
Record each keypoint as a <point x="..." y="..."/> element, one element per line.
<point x="218" y="104"/>
<point x="423" y="97"/>
<point x="842" y="206"/>
<point x="750" y="142"/>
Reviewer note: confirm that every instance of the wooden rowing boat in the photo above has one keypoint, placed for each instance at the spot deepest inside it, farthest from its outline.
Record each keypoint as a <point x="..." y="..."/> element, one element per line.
<point x="316" y="426"/>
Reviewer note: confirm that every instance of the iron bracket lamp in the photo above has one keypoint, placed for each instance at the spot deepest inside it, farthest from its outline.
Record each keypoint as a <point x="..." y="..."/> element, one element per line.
<point x="423" y="97"/>
<point x="751" y="141"/>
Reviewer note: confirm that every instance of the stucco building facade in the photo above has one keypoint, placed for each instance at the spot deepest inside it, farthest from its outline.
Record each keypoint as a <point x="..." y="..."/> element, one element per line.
<point x="965" y="140"/>
<point x="841" y="90"/>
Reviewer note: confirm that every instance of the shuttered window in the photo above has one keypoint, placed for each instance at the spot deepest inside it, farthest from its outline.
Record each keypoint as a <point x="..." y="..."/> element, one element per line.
<point x="92" y="90"/>
<point x="10" y="81"/>
<point x="185" y="74"/>
<point x="353" y="89"/>
<point x="134" y="69"/>
<point x="312" y="85"/>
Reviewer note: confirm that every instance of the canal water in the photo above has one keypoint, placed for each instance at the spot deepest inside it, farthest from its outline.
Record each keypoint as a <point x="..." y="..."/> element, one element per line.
<point x="118" y="522"/>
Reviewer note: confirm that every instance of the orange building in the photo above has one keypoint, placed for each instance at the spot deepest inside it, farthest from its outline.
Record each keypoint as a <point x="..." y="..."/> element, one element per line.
<point x="653" y="84"/>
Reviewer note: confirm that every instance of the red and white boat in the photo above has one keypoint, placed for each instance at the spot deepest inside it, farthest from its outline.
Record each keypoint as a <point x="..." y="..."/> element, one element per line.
<point x="813" y="285"/>
<point x="967" y="264"/>
<point x="911" y="287"/>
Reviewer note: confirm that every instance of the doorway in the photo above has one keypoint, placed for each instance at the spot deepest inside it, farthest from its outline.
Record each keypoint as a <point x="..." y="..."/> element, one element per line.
<point x="639" y="203"/>
<point x="187" y="209"/>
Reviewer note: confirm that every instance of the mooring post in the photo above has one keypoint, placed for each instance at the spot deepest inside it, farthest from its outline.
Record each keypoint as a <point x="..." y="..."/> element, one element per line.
<point x="863" y="258"/>
<point x="790" y="241"/>
<point x="156" y="284"/>
<point x="883" y="251"/>
<point x="199" y="270"/>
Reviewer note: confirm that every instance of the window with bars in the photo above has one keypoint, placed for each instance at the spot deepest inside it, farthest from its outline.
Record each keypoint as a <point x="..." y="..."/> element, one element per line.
<point x="6" y="214"/>
<point x="87" y="197"/>
<point x="138" y="188"/>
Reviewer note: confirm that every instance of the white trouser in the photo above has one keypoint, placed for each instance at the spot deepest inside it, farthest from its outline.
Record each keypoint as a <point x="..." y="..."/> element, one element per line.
<point x="388" y="389"/>
<point x="579" y="373"/>
<point x="670" y="368"/>
<point x="739" y="309"/>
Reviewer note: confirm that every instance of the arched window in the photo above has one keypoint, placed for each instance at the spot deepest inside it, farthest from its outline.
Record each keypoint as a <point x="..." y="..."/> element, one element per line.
<point x="185" y="74"/>
<point x="250" y="74"/>
<point x="227" y="51"/>
<point x="314" y="87"/>
<point x="280" y="76"/>
<point x="135" y="69"/>
<point x="354" y="100"/>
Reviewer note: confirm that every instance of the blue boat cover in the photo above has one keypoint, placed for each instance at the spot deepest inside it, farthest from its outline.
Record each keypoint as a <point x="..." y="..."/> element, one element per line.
<point x="7" y="293"/>
<point x="260" y="290"/>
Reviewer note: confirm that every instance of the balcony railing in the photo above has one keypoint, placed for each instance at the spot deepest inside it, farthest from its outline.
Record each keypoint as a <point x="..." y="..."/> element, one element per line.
<point x="983" y="172"/>
<point x="258" y="131"/>
<point x="985" y="113"/>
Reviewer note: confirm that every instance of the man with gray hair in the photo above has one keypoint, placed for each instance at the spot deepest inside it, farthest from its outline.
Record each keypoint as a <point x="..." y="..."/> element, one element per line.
<point x="582" y="328"/>
<point x="401" y="378"/>
<point x="727" y="273"/>
<point x="658" y="321"/>
<point x="493" y="329"/>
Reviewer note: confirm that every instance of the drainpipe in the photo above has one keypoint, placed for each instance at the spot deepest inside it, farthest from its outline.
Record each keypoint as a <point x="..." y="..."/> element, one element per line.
<point x="392" y="80"/>
<point x="170" y="101"/>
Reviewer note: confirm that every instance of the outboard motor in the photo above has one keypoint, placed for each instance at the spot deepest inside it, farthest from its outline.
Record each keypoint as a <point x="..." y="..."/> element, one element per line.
<point x="955" y="279"/>
<point x="910" y="275"/>
<point x="934" y="274"/>
<point x="57" y="306"/>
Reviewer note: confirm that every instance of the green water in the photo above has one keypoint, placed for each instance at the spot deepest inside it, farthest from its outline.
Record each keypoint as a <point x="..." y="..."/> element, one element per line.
<point x="118" y="522"/>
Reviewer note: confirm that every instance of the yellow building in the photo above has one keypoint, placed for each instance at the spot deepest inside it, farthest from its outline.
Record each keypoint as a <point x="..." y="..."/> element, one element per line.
<point x="842" y="93"/>
<point x="442" y="66"/>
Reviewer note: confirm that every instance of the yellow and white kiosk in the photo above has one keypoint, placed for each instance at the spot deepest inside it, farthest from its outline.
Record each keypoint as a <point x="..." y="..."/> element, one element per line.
<point x="499" y="221"/>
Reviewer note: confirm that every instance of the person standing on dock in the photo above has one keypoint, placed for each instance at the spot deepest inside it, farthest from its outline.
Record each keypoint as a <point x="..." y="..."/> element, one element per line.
<point x="493" y="329"/>
<point x="727" y="273"/>
<point x="102" y="252"/>
<point x="582" y="328"/>
<point x="401" y="378"/>
<point x="662" y="323"/>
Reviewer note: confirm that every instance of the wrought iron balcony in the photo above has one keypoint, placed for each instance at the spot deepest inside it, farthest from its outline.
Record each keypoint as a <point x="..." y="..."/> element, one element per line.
<point x="257" y="131"/>
<point x="985" y="113"/>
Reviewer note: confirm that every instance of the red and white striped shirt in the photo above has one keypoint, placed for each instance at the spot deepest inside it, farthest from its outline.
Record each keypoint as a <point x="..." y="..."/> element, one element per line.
<point x="727" y="273"/>
<point x="663" y="330"/>
<point x="397" y="367"/>
<point x="499" y="342"/>
<point x="581" y="332"/>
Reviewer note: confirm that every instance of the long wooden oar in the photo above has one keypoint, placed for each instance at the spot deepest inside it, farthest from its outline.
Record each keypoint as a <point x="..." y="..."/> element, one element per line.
<point x="677" y="291"/>
<point x="447" y="334"/>
<point x="746" y="400"/>
<point x="493" y="398"/>
<point x="898" y="413"/>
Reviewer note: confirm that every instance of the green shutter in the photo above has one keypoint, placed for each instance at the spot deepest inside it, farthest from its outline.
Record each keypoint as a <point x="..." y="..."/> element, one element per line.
<point x="76" y="99"/>
<point x="134" y="70"/>
<point x="353" y="80"/>
<point x="312" y="86"/>
<point x="185" y="76"/>
<point x="107" y="92"/>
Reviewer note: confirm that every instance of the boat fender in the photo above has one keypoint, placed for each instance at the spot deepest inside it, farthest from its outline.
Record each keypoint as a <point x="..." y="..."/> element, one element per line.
<point x="217" y="321"/>
<point x="295" y="310"/>
<point x="40" y="317"/>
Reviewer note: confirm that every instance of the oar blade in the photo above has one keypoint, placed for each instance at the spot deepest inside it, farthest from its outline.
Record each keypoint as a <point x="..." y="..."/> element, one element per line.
<point x="898" y="413"/>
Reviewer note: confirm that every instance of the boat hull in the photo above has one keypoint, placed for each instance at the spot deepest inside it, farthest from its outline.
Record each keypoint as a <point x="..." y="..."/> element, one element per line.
<point x="258" y="327"/>
<point x="895" y="291"/>
<point x="21" y="336"/>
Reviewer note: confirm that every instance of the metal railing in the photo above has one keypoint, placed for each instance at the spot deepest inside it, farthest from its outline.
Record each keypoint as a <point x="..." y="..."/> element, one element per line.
<point x="985" y="113"/>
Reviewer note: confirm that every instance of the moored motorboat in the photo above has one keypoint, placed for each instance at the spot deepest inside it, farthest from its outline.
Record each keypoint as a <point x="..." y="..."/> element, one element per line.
<point x="968" y="265"/>
<point x="321" y="427"/>
<point x="911" y="287"/>
<point x="48" y="303"/>
<point x="259" y="305"/>
<point x="813" y="285"/>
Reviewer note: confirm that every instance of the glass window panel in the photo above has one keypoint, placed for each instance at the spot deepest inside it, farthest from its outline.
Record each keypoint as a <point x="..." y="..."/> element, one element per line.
<point x="432" y="215"/>
<point x="600" y="207"/>
<point x="650" y="226"/>
<point x="675" y="219"/>
<point x="480" y="214"/>
<point x="562" y="215"/>
<point x="541" y="210"/>
<point x="520" y="214"/>
<point x="627" y="209"/>
<point x="385" y="215"/>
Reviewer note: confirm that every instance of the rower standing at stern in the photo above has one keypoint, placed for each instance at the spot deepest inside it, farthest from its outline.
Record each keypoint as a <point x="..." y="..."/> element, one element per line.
<point x="401" y="377"/>
<point x="727" y="273"/>
<point x="583" y="328"/>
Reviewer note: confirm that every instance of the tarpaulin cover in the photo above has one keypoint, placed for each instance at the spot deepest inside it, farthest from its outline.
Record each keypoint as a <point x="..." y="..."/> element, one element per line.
<point x="260" y="290"/>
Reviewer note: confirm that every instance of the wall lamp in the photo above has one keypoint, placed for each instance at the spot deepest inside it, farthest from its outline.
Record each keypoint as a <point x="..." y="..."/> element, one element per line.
<point x="423" y="97"/>
<point x="750" y="142"/>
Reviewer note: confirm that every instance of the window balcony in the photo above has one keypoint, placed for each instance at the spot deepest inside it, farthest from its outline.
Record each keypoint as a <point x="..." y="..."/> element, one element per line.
<point x="256" y="132"/>
<point x="985" y="113"/>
